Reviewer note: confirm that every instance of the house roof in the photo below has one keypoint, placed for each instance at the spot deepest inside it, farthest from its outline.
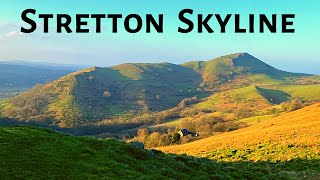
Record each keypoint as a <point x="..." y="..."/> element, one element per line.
<point x="184" y="131"/>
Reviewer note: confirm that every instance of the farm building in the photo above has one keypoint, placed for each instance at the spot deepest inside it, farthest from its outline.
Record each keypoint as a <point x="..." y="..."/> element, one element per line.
<point x="185" y="132"/>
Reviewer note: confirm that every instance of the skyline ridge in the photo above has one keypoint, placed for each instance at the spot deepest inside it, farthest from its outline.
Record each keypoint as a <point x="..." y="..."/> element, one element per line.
<point x="275" y="65"/>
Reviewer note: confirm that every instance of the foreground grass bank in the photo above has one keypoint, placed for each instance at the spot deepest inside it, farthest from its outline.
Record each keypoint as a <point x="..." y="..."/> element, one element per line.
<point x="32" y="153"/>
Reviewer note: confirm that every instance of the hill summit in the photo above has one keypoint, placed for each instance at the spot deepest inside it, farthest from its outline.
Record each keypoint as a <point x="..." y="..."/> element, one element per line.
<point x="220" y="70"/>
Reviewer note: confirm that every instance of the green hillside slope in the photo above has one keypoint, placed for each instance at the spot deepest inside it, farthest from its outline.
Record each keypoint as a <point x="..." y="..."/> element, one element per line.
<point x="248" y="104"/>
<point x="221" y="70"/>
<point x="34" y="153"/>
<point x="43" y="154"/>
<point x="98" y="93"/>
<point x="293" y="135"/>
<point x="251" y="98"/>
<point x="128" y="90"/>
<point x="287" y="138"/>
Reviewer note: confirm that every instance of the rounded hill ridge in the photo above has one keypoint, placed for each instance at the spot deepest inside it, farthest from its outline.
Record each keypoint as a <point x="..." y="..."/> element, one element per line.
<point x="131" y="89"/>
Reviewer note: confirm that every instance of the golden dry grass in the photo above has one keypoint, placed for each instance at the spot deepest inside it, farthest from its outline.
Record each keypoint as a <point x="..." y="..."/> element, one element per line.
<point x="296" y="131"/>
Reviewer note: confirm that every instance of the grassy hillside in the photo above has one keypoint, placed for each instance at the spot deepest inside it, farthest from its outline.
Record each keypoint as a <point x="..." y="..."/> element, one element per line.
<point x="220" y="111"/>
<point x="251" y="98"/>
<point x="223" y="69"/>
<point x="305" y="92"/>
<point x="129" y="90"/>
<point x="33" y="153"/>
<point x="226" y="104"/>
<point x="153" y="102"/>
<point x="294" y="135"/>
<point x="98" y="93"/>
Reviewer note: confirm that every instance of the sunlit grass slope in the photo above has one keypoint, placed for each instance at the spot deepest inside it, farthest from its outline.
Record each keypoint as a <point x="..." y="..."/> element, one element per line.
<point x="295" y="135"/>
<point x="305" y="92"/>
<point x="251" y="98"/>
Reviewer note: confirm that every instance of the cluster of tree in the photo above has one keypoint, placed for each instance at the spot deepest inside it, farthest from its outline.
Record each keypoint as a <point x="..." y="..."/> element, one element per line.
<point x="181" y="110"/>
<point x="237" y="82"/>
<point x="293" y="105"/>
<point x="204" y="126"/>
<point x="288" y="106"/>
<point x="104" y="131"/>
<point x="34" y="106"/>
<point x="305" y="81"/>
<point x="29" y="106"/>
<point x="156" y="139"/>
<point x="242" y="112"/>
<point x="207" y="125"/>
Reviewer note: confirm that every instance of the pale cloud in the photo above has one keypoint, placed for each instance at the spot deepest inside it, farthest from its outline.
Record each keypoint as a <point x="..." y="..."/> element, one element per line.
<point x="13" y="34"/>
<point x="9" y="31"/>
<point x="9" y="27"/>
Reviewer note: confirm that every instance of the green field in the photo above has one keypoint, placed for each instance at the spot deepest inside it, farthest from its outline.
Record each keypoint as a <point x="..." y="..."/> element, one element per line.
<point x="256" y="119"/>
<point x="306" y="92"/>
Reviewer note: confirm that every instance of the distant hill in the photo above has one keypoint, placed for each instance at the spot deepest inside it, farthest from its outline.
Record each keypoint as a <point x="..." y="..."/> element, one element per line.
<point x="43" y="154"/>
<point x="293" y="135"/>
<point x="16" y="76"/>
<point x="46" y="65"/>
<point x="128" y="90"/>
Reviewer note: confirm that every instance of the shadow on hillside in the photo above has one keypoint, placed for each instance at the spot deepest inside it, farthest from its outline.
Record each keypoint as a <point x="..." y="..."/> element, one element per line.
<point x="104" y="131"/>
<point x="297" y="168"/>
<point x="293" y="169"/>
